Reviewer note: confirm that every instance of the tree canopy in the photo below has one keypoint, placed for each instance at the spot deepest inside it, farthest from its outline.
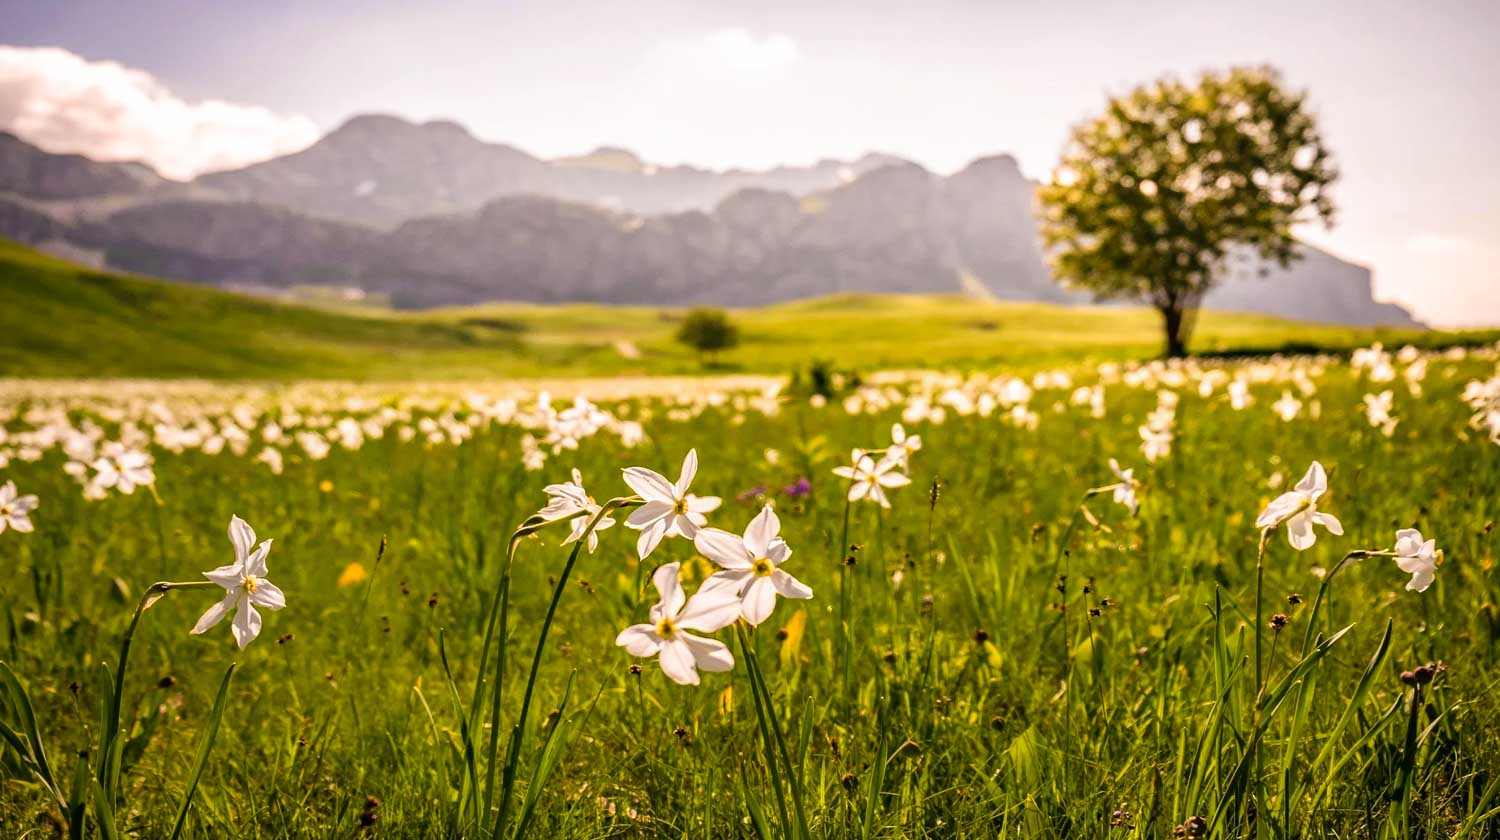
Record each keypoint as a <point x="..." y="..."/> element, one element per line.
<point x="1153" y="199"/>
<point x="708" y="331"/>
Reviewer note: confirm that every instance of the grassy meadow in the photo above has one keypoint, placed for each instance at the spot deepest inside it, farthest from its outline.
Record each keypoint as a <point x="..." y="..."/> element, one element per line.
<point x="62" y="320"/>
<point x="998" y="653"/>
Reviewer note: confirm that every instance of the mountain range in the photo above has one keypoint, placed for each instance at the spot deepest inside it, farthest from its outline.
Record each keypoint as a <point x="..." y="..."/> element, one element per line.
<point x="430" y="215"/>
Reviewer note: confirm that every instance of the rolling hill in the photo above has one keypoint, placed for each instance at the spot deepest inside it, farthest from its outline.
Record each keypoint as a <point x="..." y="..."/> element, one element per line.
<point x="428" y="215"/>
<point x="63" y="320"/>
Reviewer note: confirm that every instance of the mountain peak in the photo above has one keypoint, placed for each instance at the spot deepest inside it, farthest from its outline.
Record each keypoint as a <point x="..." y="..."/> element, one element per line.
<point x="1001" y="165"/>
<point x="368" y="127"/>
<point x="608" y="158"/>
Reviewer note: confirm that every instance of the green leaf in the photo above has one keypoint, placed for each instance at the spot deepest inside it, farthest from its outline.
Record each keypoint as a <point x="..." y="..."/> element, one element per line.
<point x="205" y="747"/>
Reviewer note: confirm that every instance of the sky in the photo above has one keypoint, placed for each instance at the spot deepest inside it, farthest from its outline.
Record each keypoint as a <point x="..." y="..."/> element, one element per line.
<point x="1404" y="92"/>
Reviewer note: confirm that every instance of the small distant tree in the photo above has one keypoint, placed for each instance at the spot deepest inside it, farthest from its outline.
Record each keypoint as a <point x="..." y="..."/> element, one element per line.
<point x="708" y="331"/>
<point x="1154" y="198"/>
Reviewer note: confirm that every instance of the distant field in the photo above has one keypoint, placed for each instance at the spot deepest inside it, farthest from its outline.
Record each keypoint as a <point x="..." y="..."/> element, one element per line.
<point x="61" y="320"/>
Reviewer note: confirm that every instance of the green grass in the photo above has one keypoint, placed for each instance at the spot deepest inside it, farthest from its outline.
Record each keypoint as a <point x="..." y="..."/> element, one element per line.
<point x="964" y="704"/>
<point x="60" y="320"/>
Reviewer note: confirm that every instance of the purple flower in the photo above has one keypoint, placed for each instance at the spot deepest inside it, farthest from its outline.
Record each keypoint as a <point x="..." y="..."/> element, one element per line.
<point x="752" y="494"/>
<point x="801" y="488"/>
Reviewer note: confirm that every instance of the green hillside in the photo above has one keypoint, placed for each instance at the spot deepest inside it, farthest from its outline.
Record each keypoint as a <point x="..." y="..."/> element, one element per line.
<point x="61" y="320"/>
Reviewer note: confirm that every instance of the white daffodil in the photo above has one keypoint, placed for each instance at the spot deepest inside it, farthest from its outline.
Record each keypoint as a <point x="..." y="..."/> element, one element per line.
<point x="670" y="510"/>
<point x="902" y="446"/>
<point x="1239" y="395"/>
<point x="1124" y="492"/>
<point x="1155" y="443"/>
<point x="1298" y="509"/>
<point x="1288" y="407"/>
<point x="1417" y="558"/>
<point x="15" y="509"/>
<point x="682" y="654"/>
<point x="869" y="478"/>
<point x="564" y="500"/>
<point x="1378" y="412"/>
<point x="245" y="587"/>
<point x="752" y="565"/>
<point x="123" y="470"/>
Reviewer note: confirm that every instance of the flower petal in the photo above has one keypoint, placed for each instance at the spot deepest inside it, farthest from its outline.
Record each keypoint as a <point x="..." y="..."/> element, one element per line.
<point x="268" y="595"/>
<point x="723" y="548"/>
<point x="1315" y="483"/>
<point x="651" y="537"/>
<point x="213" y="615"/>
<point x="1408" y="542"/>
<point x="678" y="662"/>
<point x="1329" y="521"/>
<point x="667" y="583"/>
<point x="703" y="504"/>
<point x="255" y="564"/>
<point x="761" y="530"/>
<point x="1299" y="531"/>
<point x="759" y="601"/>
<point x="709" y="654"/>
<point x="639" y="640"/>
<point x="1280" y="509"/>
<point x="242" y="536"/>
<point x="710" y="609"/>
<point x="789" y="586"/>
<point x="246" y="624"/>
<point x="734" y="580"/>
<point x="689" y="471"/>
<point x="650" y="485"/>
<point x="227" y="576"/>
<point x="648" y="513"/>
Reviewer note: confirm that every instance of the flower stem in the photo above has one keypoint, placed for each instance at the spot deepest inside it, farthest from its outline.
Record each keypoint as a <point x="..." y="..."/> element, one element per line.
<point x="842" y="556"/>
<point x="109" y="741"/>
<point x="513" y="753"/>
<point x="764" y="716"/>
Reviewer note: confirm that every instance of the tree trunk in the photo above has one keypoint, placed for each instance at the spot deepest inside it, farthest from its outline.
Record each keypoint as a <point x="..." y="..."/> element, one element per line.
<point x="1176" y="331"/>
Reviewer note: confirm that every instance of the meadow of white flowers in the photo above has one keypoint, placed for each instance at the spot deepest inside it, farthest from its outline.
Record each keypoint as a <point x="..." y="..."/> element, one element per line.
<point x="726" y="568"/>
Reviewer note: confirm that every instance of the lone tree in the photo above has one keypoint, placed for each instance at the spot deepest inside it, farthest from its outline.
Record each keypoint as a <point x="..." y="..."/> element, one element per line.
<point x="1154" y="199"/>
<point x="708" y="331"/>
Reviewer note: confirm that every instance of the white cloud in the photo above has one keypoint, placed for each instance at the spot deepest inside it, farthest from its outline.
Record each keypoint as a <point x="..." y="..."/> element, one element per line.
<point x="65" y="103"/>
<point x="1436" y="243"/>
<point x="734" y="55"/>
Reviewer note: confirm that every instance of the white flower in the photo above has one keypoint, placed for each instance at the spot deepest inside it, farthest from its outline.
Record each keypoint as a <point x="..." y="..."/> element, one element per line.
<point x="564" y="500"/>
<point x="1022" y="417"/>
<point x="123" y="470"/>
<point x="245" y="587"/>
<point x="682" y="654"/>
<point x="752" y="565"/>
<point x="902" y="446"/>
<point x="869" y="478"/>
<point x="1298" y="509"/>
<point x="670" y="510"/>
<point x="1378" y="412"/>
<point x="271" y="457"/>
<point x="1155" y="443"/>
<point x="14" y="509"/>
<point x="1239" y="395"/>
<point x="1125" y="489"/>
<point x="1288" y="407"/>
<point x="1417" y="558"/>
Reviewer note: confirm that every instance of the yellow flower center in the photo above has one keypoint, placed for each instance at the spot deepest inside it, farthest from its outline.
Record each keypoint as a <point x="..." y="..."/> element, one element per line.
<point x="5" y="510"/>
<point x="666" y="629"/>
<point x="250" y="584"/>
<point x="762" y="567"/>
<point x="680" y="507"/>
